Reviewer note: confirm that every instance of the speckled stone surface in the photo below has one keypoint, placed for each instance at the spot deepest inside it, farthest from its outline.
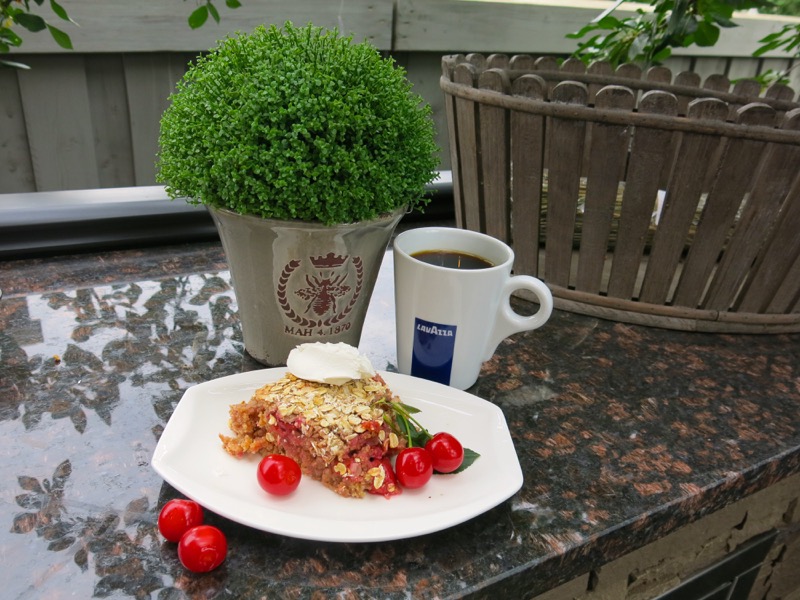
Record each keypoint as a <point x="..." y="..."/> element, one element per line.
<point x="624" y="434"/>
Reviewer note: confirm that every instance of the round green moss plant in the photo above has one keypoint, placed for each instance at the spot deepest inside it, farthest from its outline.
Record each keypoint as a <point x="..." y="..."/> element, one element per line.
<point x="297" y="123"/>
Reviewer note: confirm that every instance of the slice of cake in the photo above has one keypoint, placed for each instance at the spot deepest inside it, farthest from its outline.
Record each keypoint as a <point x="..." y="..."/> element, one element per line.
<point x="331" y="414"/>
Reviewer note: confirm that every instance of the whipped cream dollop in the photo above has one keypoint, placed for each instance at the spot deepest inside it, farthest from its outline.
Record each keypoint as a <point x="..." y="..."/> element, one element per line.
<point x="325" y="362"/>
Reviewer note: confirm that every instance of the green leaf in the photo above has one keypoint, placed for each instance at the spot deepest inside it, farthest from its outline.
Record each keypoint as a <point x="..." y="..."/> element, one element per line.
<point x="213" y="10"/>
<point x="59" y="10"/>
<point x="31" y="22"/>
<point x="638" y="47"/>
<point x="764" y="49"/>
<point x="420" y="437"/>
<point x="61" y="38"/>
<point x="787" y="38"/>
<point x="661" y="56"/>
<point x="718" y="11"/>
<point x="233" y="3"/>
<point x="198" y="17"/>
<point x="583" y="31"/>
<point x="609" y="22"/>
<point x="411" y="410"/>
<point x="771" y="37"/>
<point x="706" y="34"/>
<point x="470" y="456"/>
<point x="10" y="37"/>
<point x="726" y="22"/>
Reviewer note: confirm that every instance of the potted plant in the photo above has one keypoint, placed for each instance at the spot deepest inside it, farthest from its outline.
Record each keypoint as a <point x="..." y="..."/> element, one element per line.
<point x="307" y="149"/>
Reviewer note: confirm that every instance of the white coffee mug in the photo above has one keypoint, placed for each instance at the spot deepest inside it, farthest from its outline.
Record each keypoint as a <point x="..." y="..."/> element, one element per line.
<point x="450" y="320"/>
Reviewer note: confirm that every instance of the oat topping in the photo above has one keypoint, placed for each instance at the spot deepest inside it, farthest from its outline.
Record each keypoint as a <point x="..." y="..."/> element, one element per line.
<point x="331" y="414"/>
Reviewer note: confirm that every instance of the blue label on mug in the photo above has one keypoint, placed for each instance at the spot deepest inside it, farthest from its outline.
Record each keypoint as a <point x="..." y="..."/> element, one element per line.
<point x="432" y="357"/>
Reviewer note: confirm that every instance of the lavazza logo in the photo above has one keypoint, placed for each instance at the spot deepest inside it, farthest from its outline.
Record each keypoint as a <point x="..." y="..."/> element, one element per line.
<point x="433" y="330"/>
<point x="315" y="300"/>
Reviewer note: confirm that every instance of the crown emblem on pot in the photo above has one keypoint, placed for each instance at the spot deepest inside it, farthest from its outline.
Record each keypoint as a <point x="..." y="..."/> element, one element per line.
<point x="328" y="261"/>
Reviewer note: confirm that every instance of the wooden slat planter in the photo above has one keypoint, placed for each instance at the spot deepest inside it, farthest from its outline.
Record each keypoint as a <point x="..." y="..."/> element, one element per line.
<point x="638" y="197"/>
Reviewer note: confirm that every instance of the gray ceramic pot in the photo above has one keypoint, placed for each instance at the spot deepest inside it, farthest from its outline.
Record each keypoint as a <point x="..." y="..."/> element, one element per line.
<point x="298" y="282"/>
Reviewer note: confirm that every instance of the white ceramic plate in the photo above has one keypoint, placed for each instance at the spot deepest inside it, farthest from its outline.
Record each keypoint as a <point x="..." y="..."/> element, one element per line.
<point x="190" y="457"/>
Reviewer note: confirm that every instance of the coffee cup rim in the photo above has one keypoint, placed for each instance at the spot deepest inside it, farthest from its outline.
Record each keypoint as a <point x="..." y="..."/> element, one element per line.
<point x="501" y="253"/>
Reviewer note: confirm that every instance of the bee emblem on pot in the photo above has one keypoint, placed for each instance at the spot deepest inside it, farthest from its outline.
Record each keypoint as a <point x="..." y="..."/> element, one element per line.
<point x="325" y="294"/>
<point x="323" y="291"/>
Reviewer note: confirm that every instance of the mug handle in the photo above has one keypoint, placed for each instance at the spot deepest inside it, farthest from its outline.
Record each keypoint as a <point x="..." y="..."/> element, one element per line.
<point x="508" y="322"/>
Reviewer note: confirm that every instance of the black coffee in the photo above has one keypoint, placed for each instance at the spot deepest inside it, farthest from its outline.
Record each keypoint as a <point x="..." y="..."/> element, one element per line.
<point x="452" y="259"/>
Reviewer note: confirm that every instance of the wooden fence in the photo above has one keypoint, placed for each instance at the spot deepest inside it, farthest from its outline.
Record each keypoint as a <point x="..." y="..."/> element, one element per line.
<point x="89" y="118"/>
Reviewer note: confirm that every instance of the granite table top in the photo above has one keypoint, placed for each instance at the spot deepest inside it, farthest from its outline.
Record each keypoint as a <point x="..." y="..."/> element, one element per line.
<point x="624" y="434"/>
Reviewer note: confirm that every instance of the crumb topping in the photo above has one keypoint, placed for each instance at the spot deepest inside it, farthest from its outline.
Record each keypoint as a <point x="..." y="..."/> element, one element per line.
<point x="329" y="416"/>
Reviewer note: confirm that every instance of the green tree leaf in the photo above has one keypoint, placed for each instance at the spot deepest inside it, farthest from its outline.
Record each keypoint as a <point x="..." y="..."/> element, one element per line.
<point x="719" y="12"/>
<point x="198" y="17"/>
<point x="788" y="38"/>
<point x="668" y="24"/>
<point x="233" y="3"/>
<point x="61" y="38"/>
<point x="10" y="37"/>
<point x="764" y="49"/>
<point x="32" y="23"/>
<point x="59" y="10"/>
<point x="213" y="11"/>
<point x="771" y="37"/>
<point x="660" y="57"/>
<point x="707" y="34"/>
<point x="608" y="22"/>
